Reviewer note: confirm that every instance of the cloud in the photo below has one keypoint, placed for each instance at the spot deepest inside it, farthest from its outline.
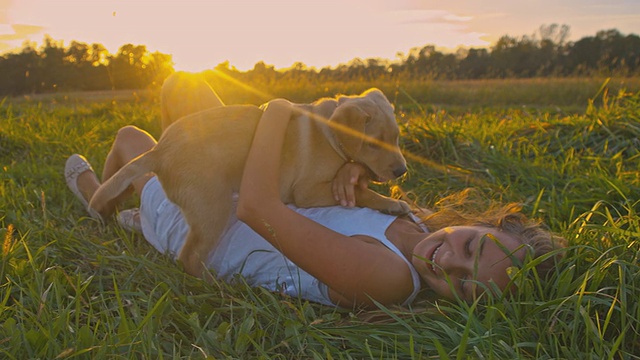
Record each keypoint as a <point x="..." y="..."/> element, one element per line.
<point x="456" y="18"/>
<point x="429" y="16"/>
<point x="21" y="32"/>
<point x="15" y="34"/>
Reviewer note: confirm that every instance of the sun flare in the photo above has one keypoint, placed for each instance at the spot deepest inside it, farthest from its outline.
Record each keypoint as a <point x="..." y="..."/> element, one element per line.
<point x="202" y="34"/>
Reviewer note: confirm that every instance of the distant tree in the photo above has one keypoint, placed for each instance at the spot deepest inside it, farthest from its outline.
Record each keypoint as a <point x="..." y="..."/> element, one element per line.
<point x="583" y="55"/>
<point x="554" y="34"/>
<point x="544" y="53"/>
<point x="263" y="73"/>
<point x="609" y="51"/>
<point x="80" y="67"/>
<point x="377" y="68"/>
<point x="427" y="62"/>
<point x="618" y="52"/>
<point x="21" y="71"/>
<point x="552" y="46"/>
<point x="98" y="73"/>
<point x="540" y="54"/>
<point x="475" y="64"/>
<point x="160" y="66"/>
<point x="52" y="71"/>
<point x="127" y="69"/>
<point x="77" y="59"/>
<point x="78" y="54"/>
<point x="99" y="56"/>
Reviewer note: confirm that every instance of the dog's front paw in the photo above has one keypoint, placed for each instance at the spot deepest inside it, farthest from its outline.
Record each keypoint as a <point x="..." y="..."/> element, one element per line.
<point x="398" y="207"/>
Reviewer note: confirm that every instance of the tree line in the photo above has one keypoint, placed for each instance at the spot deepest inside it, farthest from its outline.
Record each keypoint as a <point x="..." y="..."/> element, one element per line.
<point x="78" y="67"/>
<point x="546" y="53"/>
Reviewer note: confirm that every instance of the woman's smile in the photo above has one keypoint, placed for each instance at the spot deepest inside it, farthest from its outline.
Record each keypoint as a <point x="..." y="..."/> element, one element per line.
<point x="447" y="259"/>
<point x="434" y="254"/>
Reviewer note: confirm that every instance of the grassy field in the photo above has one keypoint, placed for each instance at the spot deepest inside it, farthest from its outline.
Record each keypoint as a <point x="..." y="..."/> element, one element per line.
<point x="72" y="289"/>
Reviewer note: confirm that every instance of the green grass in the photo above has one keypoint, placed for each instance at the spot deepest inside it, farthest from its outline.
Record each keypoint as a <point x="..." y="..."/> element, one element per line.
<point x="72" y="289"/>
<point x="538" y="95"/>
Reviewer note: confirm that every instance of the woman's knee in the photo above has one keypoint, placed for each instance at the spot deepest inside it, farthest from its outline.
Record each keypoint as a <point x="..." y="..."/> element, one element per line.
<point x="132" y="135"/>
<point x="128" y="133"/>
<point x="132" y="141"/>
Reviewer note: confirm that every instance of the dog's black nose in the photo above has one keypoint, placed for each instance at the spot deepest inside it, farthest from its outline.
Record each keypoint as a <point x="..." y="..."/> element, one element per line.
<point x="399" y="171"/>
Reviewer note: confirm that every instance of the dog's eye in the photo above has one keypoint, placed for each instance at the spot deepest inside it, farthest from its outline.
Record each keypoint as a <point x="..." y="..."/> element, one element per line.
<point x="373" y="144"/>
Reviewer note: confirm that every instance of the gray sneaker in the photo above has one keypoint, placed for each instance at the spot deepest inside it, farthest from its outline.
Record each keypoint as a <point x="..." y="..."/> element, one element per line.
<point x="130" y="220"/>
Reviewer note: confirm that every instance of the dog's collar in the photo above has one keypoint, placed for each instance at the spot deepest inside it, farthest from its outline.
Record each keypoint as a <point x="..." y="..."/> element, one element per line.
<point x="342" y="152"/>
<point x="336" y="144"/>
<point x="339" y="148"/>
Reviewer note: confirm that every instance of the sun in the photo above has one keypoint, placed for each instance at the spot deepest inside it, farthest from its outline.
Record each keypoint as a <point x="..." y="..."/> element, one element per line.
<point x="202" y="34"/>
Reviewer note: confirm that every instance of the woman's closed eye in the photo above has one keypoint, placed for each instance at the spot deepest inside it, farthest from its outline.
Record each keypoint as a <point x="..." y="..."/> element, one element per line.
<point x="467" y="246"/>
<point x="466" y="282"/>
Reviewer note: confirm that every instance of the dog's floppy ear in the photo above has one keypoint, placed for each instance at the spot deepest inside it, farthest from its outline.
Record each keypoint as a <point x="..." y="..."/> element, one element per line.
<point x="348" y="124"/>
<point x="378" y="96"/>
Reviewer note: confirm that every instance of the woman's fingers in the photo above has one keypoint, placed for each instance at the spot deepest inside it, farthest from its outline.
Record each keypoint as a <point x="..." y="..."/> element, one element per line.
<point x="344" y="183"/>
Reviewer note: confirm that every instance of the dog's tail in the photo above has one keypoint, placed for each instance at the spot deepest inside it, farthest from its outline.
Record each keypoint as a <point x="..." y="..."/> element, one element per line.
<point x="105" y="199"/>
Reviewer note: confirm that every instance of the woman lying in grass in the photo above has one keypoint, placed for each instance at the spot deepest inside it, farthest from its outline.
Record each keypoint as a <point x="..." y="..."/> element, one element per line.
<point x="342" y="255"/>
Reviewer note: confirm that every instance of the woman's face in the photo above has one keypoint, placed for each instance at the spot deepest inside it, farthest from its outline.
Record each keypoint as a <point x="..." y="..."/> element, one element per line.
<point x="477" y="253"/>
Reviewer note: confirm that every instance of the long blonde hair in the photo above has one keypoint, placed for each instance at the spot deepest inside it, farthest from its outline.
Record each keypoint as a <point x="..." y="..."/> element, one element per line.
<point x="467" y="208"/>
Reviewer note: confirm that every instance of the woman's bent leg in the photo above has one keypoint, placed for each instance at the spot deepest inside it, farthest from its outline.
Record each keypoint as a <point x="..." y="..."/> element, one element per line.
<point x="130" y="142"/>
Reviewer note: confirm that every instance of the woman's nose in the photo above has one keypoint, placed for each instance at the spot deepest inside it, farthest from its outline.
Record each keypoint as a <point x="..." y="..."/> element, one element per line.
<point x="452" y="262"/>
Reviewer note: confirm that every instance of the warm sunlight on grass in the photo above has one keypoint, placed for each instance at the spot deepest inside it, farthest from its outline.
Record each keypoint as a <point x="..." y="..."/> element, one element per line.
<point x="240" y="84"/>
<point x="73" y="288"/>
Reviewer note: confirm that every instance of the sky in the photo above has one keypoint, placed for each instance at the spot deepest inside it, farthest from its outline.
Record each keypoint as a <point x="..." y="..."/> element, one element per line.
<point x="200" y="34"/>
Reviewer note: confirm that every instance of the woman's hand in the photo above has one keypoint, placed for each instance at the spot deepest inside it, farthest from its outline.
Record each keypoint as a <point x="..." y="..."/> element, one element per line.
<point x="344" y="184"/>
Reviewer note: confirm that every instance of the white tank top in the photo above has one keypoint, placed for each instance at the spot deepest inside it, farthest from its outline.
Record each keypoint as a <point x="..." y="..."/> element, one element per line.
<point x="243" y="255"/>
<point x="243" y="252"/>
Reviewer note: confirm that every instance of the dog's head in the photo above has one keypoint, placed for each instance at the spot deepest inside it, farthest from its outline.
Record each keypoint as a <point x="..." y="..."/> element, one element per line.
<point x="366" y="131"/>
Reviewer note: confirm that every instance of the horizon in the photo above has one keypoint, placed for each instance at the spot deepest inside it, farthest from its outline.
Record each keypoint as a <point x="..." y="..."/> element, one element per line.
<point x="282" y="33"/>
<point x="39" y="45"/>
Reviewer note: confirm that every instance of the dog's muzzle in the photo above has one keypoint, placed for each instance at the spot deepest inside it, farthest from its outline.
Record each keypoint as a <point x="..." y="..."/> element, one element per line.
<point x="399" y="171"/>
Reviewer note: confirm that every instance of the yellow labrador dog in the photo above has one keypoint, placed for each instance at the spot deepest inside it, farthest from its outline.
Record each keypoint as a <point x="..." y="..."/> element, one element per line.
<point x="200" y="158"/>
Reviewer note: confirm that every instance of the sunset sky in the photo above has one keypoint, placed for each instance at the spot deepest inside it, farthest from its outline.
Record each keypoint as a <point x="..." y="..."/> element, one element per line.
<point x="203" y="33"/>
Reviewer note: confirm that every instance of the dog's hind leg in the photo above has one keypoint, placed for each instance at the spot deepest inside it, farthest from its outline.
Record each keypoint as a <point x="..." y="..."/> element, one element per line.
<point x="105" y="199"/>
<point x="207" y="216"/>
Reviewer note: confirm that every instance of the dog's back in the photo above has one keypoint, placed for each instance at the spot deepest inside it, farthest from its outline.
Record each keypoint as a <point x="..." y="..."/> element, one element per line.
<point x="212" y="143"/>
<point x="215" y="143"/>
<point x="201" y="143"/>
<point x="200" y="158"/>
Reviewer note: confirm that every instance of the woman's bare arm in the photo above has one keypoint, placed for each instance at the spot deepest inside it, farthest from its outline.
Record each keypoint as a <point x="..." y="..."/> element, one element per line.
<point x="356" y="270"/>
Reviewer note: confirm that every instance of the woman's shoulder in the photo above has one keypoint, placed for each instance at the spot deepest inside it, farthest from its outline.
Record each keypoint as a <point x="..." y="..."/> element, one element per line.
<point x="392" y="279"/>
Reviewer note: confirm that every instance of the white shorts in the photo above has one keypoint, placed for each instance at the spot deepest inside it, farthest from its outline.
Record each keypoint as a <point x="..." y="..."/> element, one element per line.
<point x="241" y="251"/>
<point x="163" y="224"/>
